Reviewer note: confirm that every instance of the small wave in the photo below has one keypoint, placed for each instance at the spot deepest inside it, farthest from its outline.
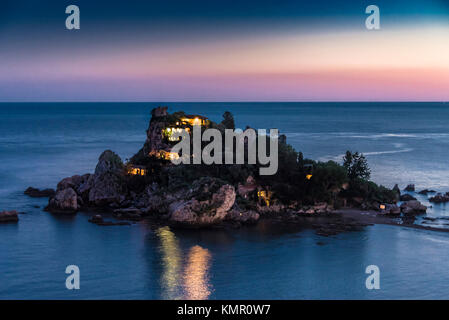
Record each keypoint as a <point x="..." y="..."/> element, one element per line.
<point x="437" y="240"/>
<point x="381" y="135"/>
<point x="374" y="153"/>
<point x="374" y="136"/>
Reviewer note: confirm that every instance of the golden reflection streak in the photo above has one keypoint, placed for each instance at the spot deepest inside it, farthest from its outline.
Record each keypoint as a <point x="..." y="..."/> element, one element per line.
<point x="196" y="282"/>
<point x="172" y="263"/>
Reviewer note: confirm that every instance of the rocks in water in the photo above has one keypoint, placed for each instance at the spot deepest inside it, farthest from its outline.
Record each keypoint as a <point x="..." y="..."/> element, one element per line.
<point x="406" y="197"/>
<point x="9" y="216"/>
<point x="440" y="198"/>
<point x="413" y="207"/>
<point x="426" y="191"/>
<point x="65" y="201"/>
<point x="133" y="214"/>
<point x="410" y="188"/>
<point x="98" y="220"/>
<point x="408" y="219"/>
<point x="36" y="193"/>
<point x="103" y="188"/>
<point x="336" y="226"/>
<point x="206" y="201"/>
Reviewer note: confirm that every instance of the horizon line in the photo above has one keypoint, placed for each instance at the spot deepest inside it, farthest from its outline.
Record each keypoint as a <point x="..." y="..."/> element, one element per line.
<point x="234" y="101"/>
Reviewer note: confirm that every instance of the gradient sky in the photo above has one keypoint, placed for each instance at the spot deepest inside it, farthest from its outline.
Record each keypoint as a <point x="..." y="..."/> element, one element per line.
<point x="263" y="50"/>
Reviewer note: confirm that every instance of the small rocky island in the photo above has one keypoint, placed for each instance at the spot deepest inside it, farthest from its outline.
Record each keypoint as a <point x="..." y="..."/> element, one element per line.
<point x="149" y="185"/>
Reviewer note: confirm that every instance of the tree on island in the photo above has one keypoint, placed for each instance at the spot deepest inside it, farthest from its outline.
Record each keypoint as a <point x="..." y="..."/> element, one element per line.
<point x="228" y="120"/>
<point x="356" y="166"/>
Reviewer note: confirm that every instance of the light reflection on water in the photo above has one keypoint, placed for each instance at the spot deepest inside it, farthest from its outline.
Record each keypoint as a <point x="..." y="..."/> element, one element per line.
<point x="183" y="277"/>
<point x="196" y="282"/>
<point x="171" y="260"/>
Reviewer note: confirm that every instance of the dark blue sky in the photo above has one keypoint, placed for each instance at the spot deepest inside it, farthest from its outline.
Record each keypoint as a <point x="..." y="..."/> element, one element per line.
<point x="33" y="13"/>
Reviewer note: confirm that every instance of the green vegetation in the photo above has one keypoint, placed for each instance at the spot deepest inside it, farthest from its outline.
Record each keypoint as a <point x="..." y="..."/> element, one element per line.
<point x="356" y="166"/>
<point x="228" y="120"/>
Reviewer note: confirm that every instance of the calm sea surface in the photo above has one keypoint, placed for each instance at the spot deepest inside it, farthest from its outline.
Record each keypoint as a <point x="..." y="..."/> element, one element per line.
<point x="42" y="143"/>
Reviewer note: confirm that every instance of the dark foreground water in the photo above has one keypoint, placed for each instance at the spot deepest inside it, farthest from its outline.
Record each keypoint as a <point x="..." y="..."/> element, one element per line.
<point x="42" y="143"/>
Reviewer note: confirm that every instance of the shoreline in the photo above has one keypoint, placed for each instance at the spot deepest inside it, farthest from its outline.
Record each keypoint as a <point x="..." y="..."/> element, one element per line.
<point x="371" y="217"/>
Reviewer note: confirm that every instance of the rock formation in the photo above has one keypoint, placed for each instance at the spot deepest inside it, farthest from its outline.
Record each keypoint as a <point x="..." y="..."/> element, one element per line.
<point x="9" y="216"/>
<point x="36" y="193"/>
<point x="65" y="201"/>
<point x="413" y="207"/>
<point x="406" y="197"/>
<point x="201" y="195"/>
<point x="426" y="191"/>
<point x="440" y="198"/>
<point x="103" y="188"/>
<point x="203" y="205"/>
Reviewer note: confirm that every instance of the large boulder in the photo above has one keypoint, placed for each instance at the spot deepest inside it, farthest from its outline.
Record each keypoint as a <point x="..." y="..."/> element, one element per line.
<point x="128" y="213"/>
<point x="65" y="201"/>
<point x="9" y="216"/>
<point x="410" y="188"/>
<point x="413" y="207"/>
<point x="109" y="162"/>
<point x="223" y="200"/>
<point x="105" y="189"/>
<point x="75" y="182"/>
<point x="206" y="207"/>
<point x="79" y="184"/>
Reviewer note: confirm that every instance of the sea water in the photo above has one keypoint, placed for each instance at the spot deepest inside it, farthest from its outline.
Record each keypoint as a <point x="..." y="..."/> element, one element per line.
<point x="44" y="142"/>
